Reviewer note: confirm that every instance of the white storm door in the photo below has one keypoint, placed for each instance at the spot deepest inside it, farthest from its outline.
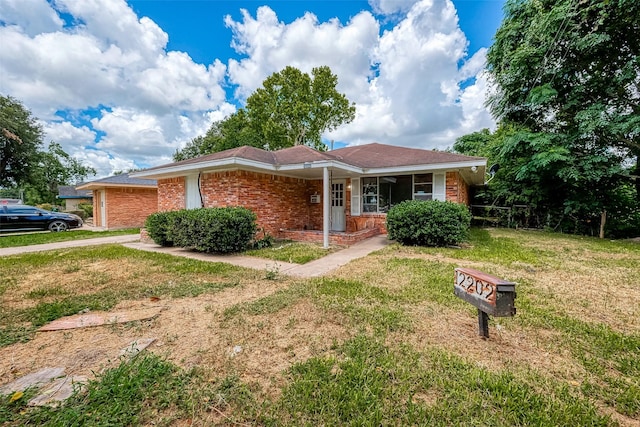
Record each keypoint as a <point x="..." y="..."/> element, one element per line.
<point x="338" y="217"/>
<point x="103" y="209"/>
<point x="192" y="193"/>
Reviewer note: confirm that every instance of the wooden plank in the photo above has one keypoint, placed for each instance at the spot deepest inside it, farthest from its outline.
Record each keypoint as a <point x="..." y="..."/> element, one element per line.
<point x="100" y="318"/>
<point x="59" y="391"/>
<point x="34" y="379"/>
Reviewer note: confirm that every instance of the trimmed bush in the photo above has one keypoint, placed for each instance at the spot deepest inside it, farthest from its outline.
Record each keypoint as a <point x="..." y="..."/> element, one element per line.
<point x="87" y="208"/>
<point x="428" y="223"/>
<point x="212" y="230"/>
<point x="158" y="225"/>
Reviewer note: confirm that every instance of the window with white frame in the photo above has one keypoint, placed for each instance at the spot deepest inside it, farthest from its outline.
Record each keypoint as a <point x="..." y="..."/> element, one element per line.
<point x="380" y="193"/>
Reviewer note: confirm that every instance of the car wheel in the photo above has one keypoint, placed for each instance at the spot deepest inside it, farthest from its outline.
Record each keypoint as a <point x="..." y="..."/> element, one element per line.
<point x="57" y="225"/>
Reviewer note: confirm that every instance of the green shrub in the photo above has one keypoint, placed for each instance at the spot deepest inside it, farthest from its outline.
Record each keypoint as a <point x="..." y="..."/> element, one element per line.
<point x="46" y="207"/>
<point x="158" y="226"/>
<point x="428" y="223"/>
<point x="87" y="208"/>
<point x="82" y="214"/>
<point x="219" y="230"/>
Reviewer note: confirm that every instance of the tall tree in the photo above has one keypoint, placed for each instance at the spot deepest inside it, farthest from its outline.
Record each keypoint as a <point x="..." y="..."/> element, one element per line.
<point x="234" y="131"/>
<point x="20" y="141"/>
<point x="54" y="168"/>
<point x="293" y="108"/>
<point x="567" y="77"/>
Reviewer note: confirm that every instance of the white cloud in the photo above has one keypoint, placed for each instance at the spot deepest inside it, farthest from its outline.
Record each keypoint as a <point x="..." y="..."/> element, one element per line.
<point x="391" y="7"/>
<point x="271" y="45"/>
<point x="146" y="101"/>
<point x="33" y="17"/>
<point x="150" y="101"/>
<point x="406" y="83"/>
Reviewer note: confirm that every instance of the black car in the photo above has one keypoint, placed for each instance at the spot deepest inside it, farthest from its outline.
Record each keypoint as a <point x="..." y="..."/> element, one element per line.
<point x="24" y="218"/>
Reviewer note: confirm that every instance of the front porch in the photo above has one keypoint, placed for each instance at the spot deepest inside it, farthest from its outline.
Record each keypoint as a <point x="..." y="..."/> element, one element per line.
<point x="340" y="238"/>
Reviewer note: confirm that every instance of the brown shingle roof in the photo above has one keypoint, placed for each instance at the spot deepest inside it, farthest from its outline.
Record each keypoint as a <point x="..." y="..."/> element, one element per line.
<point x="301" y="154"/>
<point x="377" y="155"/>
<point x="244" y="152"/>
<point x="373" y="155"/>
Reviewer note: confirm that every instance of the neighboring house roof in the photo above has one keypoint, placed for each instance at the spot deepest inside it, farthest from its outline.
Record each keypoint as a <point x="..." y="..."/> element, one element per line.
<point x="122" y="180"/>
<point x="303" y="161"/>
<point x="70" y="192"/>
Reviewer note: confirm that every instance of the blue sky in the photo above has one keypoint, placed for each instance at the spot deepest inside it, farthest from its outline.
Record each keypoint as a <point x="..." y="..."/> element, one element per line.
<point x="196" y="26"/>
<point x="123" y="84"/>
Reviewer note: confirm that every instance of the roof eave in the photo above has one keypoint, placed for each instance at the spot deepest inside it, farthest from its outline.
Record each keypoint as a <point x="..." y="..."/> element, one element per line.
<point x="100" y="185"/>
<point x="426" y="167"/>
<point x="191" y="168"/>
<point x="182" y="170"/>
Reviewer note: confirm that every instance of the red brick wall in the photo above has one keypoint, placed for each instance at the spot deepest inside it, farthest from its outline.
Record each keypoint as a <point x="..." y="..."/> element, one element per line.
<point x="457" y="189"/>
<point x="279" y="202"/>
<point x="129" y="207"/>
<point x="171" y="196"/>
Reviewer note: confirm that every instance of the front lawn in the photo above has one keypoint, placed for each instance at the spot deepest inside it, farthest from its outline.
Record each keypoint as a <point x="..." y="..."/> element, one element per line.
<point x="295" y="252"/>
<point x="8" y="240"/>
<point x="381" y="341"/>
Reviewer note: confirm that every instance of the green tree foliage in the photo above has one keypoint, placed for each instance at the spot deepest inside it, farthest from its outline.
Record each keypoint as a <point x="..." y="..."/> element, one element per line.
<point x="232" y="132"/>
<point x="291" y="108"/>
<point x="53" y="168"/>
<point x="20" y="140"/>
<point x="23" y="162"/>
<point x="567" y="78"/>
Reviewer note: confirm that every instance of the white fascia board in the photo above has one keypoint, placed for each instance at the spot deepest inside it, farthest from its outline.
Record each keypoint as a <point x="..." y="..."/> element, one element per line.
<point x="425" y="168"/>
<point x="319" y="164"/>
<point x="191" y="168"/>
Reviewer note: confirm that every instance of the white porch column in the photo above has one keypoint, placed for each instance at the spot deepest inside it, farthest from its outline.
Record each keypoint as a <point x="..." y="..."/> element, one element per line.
<point x="326" y="207"/>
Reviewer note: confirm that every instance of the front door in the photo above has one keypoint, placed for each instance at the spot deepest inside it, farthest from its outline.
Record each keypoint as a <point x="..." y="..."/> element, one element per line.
<point x="338" y="221"/>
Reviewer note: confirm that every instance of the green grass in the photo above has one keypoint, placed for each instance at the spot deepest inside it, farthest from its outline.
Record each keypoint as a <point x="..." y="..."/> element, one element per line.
<point x="365" y="383"/>
<point x="8" y="240"/>
<point x="294" y="252"/>
<point x="369" y="383"/>
<point x="504" y="250"/>
<point x="144" y="390"/>
<point x="379" y="369"/>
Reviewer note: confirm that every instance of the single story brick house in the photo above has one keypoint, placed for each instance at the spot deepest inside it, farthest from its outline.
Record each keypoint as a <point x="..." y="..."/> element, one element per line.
<point x="122" y="201"/>
<point x="340" y="196"/>
<point x="73" y="197"/>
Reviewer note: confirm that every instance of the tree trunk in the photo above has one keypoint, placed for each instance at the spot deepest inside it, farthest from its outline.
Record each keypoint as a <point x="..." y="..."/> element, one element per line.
<point x="603" y="221"/>
<point x="637" y="178"/>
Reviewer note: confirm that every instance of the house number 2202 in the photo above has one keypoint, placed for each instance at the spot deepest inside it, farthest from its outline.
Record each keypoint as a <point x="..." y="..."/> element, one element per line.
<point x="473" y="285"/>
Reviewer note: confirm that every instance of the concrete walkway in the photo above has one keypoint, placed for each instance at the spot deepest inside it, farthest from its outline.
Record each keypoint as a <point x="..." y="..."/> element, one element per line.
<point x="315" y="268"/>
<point x="69" y="244"/>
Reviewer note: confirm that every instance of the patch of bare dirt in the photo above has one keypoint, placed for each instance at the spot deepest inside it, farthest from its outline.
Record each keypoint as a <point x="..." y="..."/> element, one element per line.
<point x="191" y="332"/>
<point x="183" y="330"/>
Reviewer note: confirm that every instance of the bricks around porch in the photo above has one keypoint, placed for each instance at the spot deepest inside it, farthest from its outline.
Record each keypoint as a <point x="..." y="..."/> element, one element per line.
<point x="335" y="237"/>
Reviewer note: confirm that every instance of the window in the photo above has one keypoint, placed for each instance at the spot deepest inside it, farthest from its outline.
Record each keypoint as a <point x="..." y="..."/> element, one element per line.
<point x="379" y="194"/>
<point x="370" y="194"/>
<point x="393" y="190"/>
<point x="423" y="186"/>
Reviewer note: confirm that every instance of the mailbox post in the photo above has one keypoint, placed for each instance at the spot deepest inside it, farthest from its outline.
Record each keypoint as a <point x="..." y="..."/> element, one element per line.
<point x="491" y="295"/>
